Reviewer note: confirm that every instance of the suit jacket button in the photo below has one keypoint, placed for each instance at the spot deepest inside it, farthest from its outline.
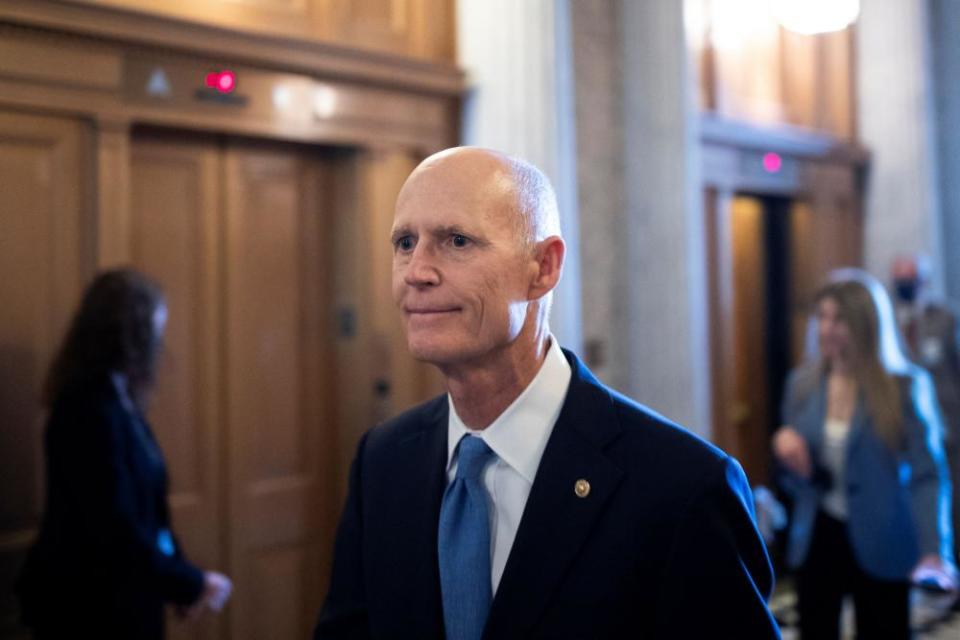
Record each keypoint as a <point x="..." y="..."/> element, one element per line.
<point x="581" y="488"/>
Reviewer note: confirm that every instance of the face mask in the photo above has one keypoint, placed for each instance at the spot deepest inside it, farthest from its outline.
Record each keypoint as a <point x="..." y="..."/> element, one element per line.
<point x="906" y="290"/>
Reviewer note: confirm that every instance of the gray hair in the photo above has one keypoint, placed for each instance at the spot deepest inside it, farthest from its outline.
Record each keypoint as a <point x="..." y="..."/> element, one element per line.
<point x="539" y="216"/>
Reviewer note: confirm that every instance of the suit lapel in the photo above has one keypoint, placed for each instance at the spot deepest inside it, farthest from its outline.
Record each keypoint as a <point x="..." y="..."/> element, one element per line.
<point x="556" y="521"/>
<point x="420" y="479"/>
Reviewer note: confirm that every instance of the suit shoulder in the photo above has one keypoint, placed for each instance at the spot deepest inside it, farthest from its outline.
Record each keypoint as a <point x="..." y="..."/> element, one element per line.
<point x="650" y="431"/>
<point x="409" y="423"/>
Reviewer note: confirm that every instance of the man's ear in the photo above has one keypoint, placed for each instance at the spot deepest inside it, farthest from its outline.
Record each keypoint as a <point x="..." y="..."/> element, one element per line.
<point x="549" y="254"/>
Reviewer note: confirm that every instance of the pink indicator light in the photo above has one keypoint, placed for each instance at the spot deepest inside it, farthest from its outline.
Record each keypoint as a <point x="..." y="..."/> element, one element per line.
<point x="222" y="81"/>
<point x="227" y="81"/>
<point x="772" y="162"/>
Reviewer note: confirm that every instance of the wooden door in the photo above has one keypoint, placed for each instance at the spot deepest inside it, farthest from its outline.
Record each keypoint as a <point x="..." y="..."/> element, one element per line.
<point x="45" y="259"/>
<point x="277" y="359"/>
<point x="737" y="268"/>
<point x="237" y="235"/>
<point x="176" y="215"/>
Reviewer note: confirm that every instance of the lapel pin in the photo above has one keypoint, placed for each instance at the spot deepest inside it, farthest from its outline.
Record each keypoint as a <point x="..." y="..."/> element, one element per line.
<point x="581" y="488"/>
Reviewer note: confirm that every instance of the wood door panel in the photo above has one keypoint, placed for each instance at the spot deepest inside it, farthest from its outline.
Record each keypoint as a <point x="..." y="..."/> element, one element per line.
<point x="275" y="299"/>
<point x="45" y="261"/>
<point x="384" y="25"/>
<point x="279" y="588"/>
<point x="749" y="410"/>
<point x="175" y="189"/>
<point x="264" y="289"/>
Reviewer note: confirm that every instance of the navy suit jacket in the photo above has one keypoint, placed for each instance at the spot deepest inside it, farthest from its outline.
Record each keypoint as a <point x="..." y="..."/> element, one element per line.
<point x="664" y="545"/>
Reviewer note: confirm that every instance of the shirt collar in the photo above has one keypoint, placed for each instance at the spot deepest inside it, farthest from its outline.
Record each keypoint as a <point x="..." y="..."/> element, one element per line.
<point x="519" y="435"/>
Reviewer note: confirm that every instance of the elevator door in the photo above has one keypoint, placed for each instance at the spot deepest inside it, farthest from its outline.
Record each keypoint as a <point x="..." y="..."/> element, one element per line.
<point x="237" y="234"/>
<point x="768" y="255"/>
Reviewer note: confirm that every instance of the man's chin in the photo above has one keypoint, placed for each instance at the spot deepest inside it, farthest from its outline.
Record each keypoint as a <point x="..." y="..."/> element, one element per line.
<point x="436" y="353"/>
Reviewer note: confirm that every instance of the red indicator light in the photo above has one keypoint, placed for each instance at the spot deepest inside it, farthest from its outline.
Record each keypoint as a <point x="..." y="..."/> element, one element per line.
<point x="223" y="81"/>
<point x="772" y="162"/>
<point x="227" y="82"/>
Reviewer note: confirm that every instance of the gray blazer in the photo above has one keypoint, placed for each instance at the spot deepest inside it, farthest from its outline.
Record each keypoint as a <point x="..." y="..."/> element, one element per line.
<point x="898" y="503"/>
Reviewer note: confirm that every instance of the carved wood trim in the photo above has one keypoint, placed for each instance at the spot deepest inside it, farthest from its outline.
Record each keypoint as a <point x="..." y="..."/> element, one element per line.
<point x="124" y="26"/>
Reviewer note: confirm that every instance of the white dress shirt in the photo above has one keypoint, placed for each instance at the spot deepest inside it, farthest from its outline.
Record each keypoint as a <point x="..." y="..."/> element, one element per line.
<point x="518" y="437"/>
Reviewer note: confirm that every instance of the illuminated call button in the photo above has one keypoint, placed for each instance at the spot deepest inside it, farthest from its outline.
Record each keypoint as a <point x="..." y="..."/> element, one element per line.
<point x="219" y="86"/>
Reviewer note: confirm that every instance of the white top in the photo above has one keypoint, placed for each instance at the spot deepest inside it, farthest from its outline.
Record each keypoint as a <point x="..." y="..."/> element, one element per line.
<point x="836" y="432"/>
<point x="518" y="437"/>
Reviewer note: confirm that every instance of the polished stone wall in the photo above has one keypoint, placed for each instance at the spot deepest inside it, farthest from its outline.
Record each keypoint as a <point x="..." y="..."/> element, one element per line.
<point x="944" y="22"/>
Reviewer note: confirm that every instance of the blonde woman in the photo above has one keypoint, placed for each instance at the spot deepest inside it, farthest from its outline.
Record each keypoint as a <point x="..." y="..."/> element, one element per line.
<point x="861" y="444"/>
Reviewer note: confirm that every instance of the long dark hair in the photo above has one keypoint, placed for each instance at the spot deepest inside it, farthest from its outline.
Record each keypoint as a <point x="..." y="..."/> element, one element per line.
<point x="112" y="331"/>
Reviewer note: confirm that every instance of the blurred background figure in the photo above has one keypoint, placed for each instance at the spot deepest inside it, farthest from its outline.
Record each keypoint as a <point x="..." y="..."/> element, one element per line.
<point x="930" y="329"/>
<point x="106" y="560"/>
<point x="861" y="444"/>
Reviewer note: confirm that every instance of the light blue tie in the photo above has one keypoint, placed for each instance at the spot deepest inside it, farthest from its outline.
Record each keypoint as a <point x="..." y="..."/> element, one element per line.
<point x="464" y="545"/>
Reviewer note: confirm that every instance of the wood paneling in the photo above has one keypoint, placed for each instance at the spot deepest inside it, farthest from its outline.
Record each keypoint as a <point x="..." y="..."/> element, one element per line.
<point x="45" y="260"/>
<point x="837" y="91"/>
<point x="112" y="140"/>
<point x="801" y="70"/>
<point x="748" y="81"/>
<point x="276" y="350"/>
<point x="383" y="25"/>
<point x="106" y="29"/>
<point x="175" y="197"/>
<point x="748" y="411"/>
<point x="23" y="57"/>
<point x="415" y="28"/>
<point x="372" y="355"/>
<point x="751" y="69"/>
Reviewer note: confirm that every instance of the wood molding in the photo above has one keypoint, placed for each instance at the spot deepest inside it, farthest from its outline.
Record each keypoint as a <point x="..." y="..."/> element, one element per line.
<point x="113" y="193"/>
<point x="325" y="60"/>
<point x="354" y="114"/>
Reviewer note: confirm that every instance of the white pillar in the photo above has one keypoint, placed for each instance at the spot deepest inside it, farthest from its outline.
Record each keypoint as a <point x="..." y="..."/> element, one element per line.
<point x="945" y="16"/>
<point x="895" y="116"/>
<point x="517" y="55"/>
<point x="663" y="331"/>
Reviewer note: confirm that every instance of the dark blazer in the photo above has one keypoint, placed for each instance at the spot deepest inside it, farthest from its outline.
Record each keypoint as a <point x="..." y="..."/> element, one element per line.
<point x="101" y="564"/>
<point x="664" y="545"/>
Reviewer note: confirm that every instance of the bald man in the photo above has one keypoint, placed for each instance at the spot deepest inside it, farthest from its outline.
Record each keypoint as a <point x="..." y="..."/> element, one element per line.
<point x="529" y="501"/>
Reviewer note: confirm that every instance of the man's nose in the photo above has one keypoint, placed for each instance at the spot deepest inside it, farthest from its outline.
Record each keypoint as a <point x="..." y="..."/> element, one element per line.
<point x="421" y="268"/>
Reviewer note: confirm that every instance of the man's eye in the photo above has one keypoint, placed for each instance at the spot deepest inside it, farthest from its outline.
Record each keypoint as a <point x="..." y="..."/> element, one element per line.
<point x="459" y="240"/>
<point x="404" y="244"/>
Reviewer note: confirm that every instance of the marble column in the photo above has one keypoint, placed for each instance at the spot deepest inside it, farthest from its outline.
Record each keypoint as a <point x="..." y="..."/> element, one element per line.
<point x="895" y="116"/>
<point x="661" y="287"/>
<point x="517" y="55"/>
<point x="944" y="19"/>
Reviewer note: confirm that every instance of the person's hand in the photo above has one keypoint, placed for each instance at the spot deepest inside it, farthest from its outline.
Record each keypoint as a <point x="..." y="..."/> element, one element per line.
<point x="932" y="572"/>
<point x="791" y="450"/>
<point x="216" y="592"/>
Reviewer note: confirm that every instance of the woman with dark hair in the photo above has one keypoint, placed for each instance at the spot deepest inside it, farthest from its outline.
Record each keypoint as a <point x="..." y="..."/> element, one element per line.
<point x="862" y="450"/>
<point x="105" y="561"/>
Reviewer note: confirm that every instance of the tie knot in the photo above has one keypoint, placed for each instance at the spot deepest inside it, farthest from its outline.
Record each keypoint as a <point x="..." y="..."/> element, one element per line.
<point x="473" y="457"/>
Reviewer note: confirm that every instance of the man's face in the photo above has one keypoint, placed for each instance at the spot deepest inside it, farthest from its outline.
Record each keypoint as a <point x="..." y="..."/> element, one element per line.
<point x="461" y="277"/>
